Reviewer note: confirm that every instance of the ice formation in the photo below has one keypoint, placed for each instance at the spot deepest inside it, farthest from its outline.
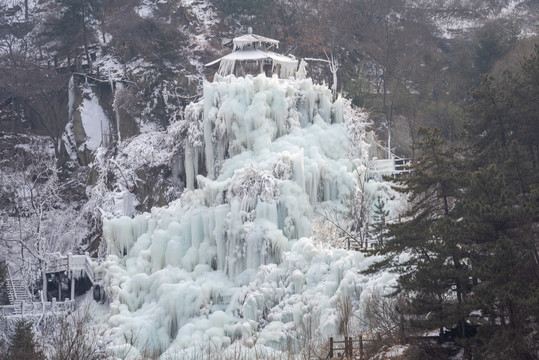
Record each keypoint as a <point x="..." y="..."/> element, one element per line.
<point x="94" y="120"/>
<point x="233" y="258"/>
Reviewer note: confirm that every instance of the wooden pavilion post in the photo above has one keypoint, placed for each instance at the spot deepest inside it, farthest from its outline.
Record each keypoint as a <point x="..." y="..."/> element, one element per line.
<point x="72" y="275"/>
<point x="361" y="356"/>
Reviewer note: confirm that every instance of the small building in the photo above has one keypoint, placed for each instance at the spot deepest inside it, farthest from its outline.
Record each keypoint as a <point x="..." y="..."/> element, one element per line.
<point x="63" y="278"/>
<point x="252" y="55"/>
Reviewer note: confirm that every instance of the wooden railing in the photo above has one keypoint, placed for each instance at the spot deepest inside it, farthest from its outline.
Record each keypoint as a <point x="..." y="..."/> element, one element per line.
<point x="403" y="165"/>
<point x="56" y="264"/>
<point x="11" y="284"/>
<point x="81" y="262"/>
<point x="348" y="348"/>
<point x="72" y="263"/>
<point x="392" y="167"/>
<point x="36" y="308"/>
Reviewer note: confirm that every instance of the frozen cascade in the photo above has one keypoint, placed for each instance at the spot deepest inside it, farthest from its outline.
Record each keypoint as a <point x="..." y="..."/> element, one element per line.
<point x="232" y="257"/>
<point x="71" y="97"/>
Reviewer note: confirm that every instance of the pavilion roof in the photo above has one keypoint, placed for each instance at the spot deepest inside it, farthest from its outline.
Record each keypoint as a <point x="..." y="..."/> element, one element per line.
<point x="243" y="40"/>
<point x="255" y="54"/>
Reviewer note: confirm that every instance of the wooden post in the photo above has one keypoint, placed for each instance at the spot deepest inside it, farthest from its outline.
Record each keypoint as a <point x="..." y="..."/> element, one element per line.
<point x="350" y="347"/>
<point x="72" y="285"/>
<point x="330" y="347"/>
<point x="401" y="329"/>
<point x="361" y="347"/>
<point x="44" y="280"/>
<point x="59" y="282"/>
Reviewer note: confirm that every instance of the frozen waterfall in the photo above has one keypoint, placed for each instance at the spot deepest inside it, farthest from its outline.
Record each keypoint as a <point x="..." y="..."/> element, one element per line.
<point x="232" y="258"/>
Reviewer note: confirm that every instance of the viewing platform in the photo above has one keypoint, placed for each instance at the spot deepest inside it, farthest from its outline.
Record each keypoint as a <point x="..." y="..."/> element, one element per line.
<point x="67" y="277"/>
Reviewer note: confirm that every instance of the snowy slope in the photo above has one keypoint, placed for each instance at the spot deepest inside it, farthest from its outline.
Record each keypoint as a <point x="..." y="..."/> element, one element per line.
<point x="453" y="19"/>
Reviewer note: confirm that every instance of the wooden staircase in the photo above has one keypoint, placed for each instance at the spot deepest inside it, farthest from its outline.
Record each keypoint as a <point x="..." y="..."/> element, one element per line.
<point x="18" y="291"/>
<point x="21" y="301"/>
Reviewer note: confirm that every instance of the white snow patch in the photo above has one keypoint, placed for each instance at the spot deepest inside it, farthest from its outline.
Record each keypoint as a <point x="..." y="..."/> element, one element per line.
<point x="95" y="122"/>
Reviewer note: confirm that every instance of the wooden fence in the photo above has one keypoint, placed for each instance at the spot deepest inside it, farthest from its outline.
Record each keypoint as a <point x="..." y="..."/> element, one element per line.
<point x="348" y="348"/>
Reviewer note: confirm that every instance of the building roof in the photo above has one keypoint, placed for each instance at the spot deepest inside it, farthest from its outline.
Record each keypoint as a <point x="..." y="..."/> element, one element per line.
<point x="249" y="48"/>
<point x="254" y="55"/>
<point x="241" y="41"/>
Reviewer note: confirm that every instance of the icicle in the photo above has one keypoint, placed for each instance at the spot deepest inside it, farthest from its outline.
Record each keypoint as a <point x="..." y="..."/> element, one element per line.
<point x="71" y="97"/>
<point x="111" y="82"/>
<point x="119" y="86"/>
<point x="189" y="168"/>
<point x="226" y="67"/>
<point x="299" y="169"/>
<point x="302" y="70"/>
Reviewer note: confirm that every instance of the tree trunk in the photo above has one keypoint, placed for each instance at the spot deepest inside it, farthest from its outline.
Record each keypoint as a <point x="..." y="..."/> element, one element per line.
<point x="85" y="39"/>
<point x="44" y="281"/>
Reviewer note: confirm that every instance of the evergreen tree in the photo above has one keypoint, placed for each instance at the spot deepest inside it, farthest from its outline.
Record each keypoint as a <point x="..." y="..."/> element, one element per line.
<point x="22" y="344"/>
<point x="435" y="274"/>
<point x="73" y="28"/>
<point x="379" y="224"/>
<point x="493" y="40"/>
<point x="507" y="110"/>
<point x="3" y="283"/>
<point x="501" y="209"/>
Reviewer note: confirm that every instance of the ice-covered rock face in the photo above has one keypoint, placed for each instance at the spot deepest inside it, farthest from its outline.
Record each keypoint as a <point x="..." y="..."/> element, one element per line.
<point x="231" y="258"/>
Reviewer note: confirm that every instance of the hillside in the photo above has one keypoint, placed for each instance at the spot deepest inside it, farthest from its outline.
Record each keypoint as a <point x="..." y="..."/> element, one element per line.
<point x="101" y="130"/>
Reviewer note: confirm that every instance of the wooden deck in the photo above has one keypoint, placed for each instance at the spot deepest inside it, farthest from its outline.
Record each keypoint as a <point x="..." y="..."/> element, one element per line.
<point x="389" y="167"/>
<point x="72" y="263"/>
<point x="22" y="303"/>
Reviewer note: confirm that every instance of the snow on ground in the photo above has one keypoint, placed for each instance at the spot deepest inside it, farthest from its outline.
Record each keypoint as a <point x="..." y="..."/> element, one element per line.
<point x="450" y="27"/>
<point x="394" y="352"/>
<point x="146" y="9"/>
<point x="233" y="258"/>
<point x="94" y="120"/>
<point x="455" y="19"/>
<point x="203" y="11"/>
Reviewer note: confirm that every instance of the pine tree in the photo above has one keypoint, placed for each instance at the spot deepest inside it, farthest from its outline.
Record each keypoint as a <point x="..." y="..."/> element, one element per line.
<point x="501" y="208"/>
<point x="73" y="28"/>
<point x="435" y="275"/>
<point x="3" y="283"/>
<point x="379" y="224"/>
<point x="22" y="344"/>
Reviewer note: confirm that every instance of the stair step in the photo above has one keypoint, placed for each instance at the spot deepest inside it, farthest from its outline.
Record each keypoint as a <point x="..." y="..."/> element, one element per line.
<point x="18" y="292"/>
